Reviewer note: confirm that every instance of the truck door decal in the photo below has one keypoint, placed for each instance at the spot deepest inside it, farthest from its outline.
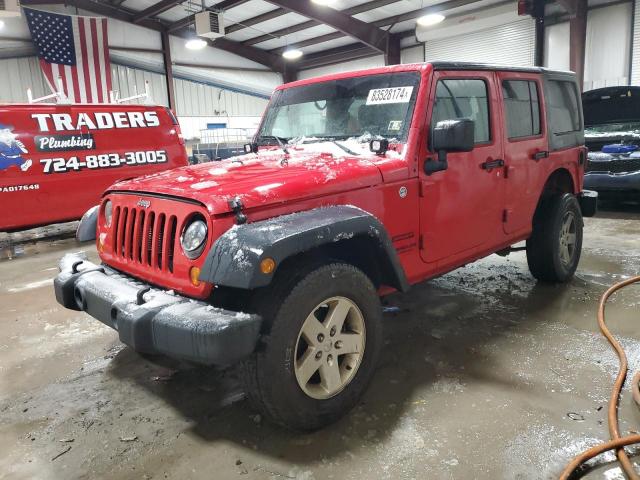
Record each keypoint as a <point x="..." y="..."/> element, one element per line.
<point x="12" y="150"/>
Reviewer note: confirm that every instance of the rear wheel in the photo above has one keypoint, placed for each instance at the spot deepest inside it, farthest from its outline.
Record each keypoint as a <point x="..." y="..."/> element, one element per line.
<point x="321" y="350"/>
<point x="553" y="250"/>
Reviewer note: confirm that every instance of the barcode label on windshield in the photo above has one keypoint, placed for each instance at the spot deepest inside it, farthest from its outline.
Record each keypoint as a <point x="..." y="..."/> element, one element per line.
<point x="379" y="96"/>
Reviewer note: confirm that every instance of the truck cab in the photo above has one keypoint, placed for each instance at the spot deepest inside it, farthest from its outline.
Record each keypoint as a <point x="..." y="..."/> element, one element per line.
<point x="356" y="185"/>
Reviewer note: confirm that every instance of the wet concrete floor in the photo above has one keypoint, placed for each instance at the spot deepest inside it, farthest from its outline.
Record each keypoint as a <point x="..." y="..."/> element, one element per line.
<point x="485" y="374"/>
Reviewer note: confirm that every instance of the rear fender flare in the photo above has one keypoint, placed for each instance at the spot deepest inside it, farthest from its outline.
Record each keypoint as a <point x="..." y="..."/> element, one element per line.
<point x="234" y="260"/>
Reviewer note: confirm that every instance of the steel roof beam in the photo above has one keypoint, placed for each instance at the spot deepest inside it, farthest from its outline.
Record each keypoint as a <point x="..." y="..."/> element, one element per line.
<point x="364" y="32"/>
<point x="270" y="60"/>
<point x="365" y="7"/>
<point x="155" y="9"/>
<point x="189" y="19"/>
<point x="386" y="22"/>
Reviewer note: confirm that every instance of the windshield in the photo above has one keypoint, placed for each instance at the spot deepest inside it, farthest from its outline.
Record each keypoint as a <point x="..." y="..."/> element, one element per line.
<point x="369" y="106"/>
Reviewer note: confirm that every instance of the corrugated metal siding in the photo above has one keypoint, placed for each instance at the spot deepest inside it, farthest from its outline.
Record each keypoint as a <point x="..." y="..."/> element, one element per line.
<point x="509" y="44"/>
<point x="192" y="98"/>
<point x="197" y="99"/>
<point x="635" y="56"/>
<point x="18" y="74"/>
<point x="130" y="81"/>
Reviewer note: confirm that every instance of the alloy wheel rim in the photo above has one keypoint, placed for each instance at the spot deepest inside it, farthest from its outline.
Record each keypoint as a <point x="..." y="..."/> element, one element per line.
<point x="329" y="348"/>
<point x="567" y="238"/>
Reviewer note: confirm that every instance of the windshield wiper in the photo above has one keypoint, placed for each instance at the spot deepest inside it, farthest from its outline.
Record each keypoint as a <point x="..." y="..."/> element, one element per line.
<point x="281" y="141"/>
<point x="332" y="140"/>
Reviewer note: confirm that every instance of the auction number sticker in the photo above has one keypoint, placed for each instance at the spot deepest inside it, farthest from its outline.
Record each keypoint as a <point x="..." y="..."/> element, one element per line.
<point x="379" y="96"/>
<point x="105" y="160"/>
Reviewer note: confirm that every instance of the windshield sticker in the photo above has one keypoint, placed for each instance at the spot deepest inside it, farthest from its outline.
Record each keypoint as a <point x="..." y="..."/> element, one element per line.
<point x="394" y="125"/>
<point x="379" y="96"/>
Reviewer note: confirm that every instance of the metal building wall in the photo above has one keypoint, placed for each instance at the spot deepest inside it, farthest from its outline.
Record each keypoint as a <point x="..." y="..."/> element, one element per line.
<point x="192" y="98"/>
<point x="197" y="99"/>
<point x="635" y="48"/>
<point x="131" y="81"/>
<point x="509" y="44"/>
<point x="18" y="74"/>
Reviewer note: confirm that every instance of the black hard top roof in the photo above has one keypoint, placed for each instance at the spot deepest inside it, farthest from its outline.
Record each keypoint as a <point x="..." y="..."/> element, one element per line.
<point x="440" y="65"/>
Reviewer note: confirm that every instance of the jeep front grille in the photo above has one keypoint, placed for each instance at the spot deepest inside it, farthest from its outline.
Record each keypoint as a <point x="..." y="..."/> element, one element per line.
<point x="618" y="165"/>
<point x="144" y="236"/>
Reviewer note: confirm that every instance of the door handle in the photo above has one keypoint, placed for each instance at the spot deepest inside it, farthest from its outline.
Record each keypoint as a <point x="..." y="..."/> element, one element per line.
<point x="540" y="155"/>
<point x="491" y="164"/>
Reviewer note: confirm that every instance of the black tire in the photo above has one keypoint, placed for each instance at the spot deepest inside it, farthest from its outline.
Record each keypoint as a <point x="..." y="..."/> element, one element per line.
<point x="545" y="247"/>
<point x="269" y="374"/>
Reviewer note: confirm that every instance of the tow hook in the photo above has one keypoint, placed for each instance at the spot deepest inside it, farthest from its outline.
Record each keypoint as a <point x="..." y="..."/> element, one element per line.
<point x="236" y="206"/>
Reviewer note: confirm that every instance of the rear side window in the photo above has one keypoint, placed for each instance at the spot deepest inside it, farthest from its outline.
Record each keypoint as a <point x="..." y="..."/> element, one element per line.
<point x="522" y="108"/>
<point x="463" y="98"/>
<point x="562" y="107"/>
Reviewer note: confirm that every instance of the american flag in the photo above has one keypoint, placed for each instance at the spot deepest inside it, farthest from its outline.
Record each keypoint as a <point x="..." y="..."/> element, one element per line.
<point x="74" y="49"/>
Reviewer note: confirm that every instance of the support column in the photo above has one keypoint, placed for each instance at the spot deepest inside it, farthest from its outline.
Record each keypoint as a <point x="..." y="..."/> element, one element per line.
<point x="168" y="69"/>
<point x="578" y="40"/>
<point x="538" y="16"/>
<point x="392" y="54"/>
<point x="289" y="75"/>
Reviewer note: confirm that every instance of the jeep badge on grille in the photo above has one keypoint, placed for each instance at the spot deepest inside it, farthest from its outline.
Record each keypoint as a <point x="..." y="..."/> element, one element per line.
<point x="144" y="203"/>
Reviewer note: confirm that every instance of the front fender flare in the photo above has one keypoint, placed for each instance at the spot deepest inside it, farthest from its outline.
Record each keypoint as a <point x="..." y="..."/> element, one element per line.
<point x="88" y="225"/>
<point x="234" y="260"/>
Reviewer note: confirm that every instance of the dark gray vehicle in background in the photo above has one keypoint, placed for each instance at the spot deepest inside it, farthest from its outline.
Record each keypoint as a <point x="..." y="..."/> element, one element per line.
<point x="612" y="134"/>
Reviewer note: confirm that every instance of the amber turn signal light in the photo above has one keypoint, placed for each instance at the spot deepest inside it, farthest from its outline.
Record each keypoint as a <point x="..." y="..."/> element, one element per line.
<point x="194" y="274"/>
<point x="267" y="266"/>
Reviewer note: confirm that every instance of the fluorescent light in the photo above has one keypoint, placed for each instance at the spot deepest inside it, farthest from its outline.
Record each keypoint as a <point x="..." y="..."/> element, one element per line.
<point x="431" y="19"/>
<point x="292" y="54"/>
<point x="324" y="3"/>
<point x="195" y="44"/>
<point x="1" y="24"/>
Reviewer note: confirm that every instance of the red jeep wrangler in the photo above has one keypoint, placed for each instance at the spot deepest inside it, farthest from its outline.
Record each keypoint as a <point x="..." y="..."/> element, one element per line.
<point x="357" y="185"/>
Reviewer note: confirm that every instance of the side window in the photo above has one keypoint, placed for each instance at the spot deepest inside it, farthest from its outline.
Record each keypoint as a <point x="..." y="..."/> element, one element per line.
<point x="522" y="108"/>
<point x="562" y="107"/>
<point x="463" y="99"/>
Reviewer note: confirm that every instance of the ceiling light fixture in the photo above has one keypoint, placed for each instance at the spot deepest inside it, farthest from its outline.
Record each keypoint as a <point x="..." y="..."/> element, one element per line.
<point x="430" y="20"/>
<point x="292" y="53"/>
<point x="324" y="3"/>
<point x="1" y="24"/>
<point x="195" y="44"/>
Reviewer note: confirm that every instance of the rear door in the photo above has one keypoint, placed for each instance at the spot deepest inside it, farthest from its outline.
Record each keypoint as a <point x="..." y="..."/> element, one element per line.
<point x="461" y="207"/>
<point x="525" y="147"/>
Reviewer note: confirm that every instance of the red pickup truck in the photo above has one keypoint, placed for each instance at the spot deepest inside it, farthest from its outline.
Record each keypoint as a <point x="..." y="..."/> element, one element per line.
<point x="56" y="160"/>
<point x="356" y="185"/>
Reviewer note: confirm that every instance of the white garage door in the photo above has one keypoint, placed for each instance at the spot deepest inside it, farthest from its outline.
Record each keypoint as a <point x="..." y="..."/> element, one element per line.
<point x="509" y="44"/>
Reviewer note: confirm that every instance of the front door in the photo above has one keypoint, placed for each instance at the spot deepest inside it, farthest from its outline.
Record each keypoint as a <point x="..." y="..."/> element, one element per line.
<point x="461" y="208"/>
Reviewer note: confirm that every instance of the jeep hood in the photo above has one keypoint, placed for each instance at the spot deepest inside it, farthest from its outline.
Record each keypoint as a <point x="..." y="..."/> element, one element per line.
<point x="265" y="178"/>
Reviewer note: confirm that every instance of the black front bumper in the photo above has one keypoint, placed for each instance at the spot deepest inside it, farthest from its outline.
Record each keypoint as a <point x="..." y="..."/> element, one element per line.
<point x="151" y="320"/>
<point x="614" y="184"/>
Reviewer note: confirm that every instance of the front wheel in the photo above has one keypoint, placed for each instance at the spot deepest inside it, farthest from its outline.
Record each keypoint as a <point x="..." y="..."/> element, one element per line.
<point x="553" y="250"/>
<point x="321" y="350"/>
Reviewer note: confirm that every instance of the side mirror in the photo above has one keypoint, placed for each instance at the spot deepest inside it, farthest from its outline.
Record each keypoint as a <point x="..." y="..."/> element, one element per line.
<point x="449" y="136"/>
<point x="453" y="136"/>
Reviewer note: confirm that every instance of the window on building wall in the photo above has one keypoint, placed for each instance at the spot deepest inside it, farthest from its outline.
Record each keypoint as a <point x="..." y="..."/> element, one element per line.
<point x="522" y="108"/>
<point x="463" y="98"/>
<point x="563" y="112"/>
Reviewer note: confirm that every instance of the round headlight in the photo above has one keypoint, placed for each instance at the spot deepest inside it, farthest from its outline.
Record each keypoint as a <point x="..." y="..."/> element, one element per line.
<point x="108" y="213"/>
<point x="193" y="238"/>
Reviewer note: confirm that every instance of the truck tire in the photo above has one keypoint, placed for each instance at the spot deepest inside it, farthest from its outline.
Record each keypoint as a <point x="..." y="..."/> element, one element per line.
<point x="321" y="350"/>
<point x="553" y="250"/>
